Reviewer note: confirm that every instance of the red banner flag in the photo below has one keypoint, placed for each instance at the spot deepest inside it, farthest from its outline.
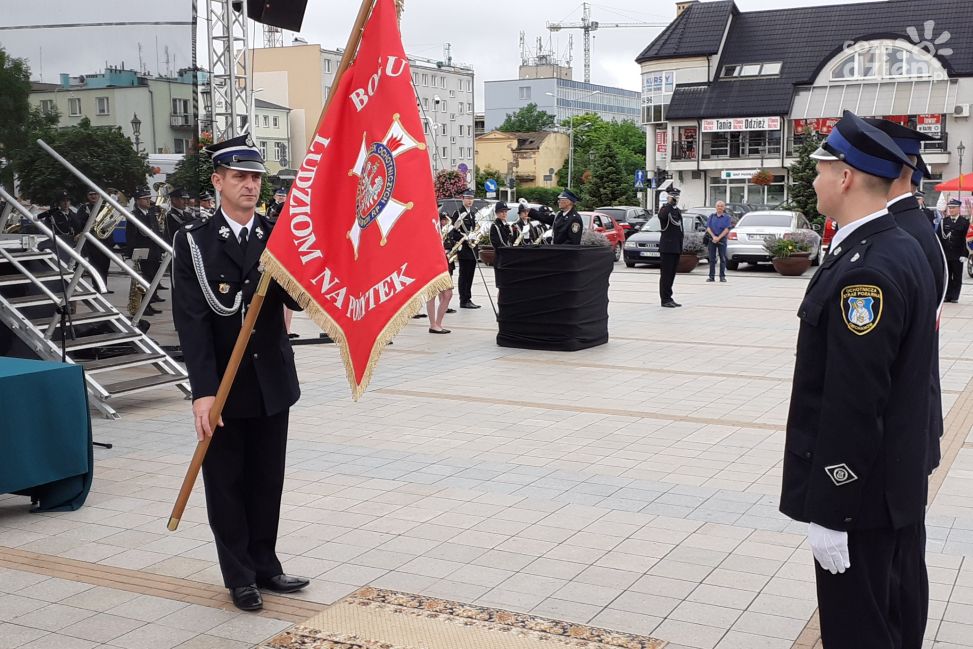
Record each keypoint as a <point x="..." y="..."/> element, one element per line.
<point x="358" y="242"/>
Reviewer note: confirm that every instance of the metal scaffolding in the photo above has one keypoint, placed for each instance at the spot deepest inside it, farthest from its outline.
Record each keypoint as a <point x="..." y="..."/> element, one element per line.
<point x="228" y="109"/>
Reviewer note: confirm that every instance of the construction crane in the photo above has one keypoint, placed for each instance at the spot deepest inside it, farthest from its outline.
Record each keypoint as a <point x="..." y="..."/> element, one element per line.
<point x="587" y="25"/>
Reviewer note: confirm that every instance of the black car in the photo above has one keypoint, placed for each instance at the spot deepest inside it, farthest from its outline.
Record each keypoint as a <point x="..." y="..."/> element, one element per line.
<point x="630" y="218"/>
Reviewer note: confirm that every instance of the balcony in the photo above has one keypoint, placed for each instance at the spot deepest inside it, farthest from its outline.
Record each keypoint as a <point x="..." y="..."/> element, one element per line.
<point x="724" y="150"/>
<point x="929" y="147"/>
<point x="181" y="121"/>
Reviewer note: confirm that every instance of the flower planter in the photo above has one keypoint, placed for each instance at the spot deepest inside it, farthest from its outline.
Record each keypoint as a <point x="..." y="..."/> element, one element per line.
<point x="794" y="265"/>
<point x="687" y="262"/>
<point x="487" y="255"/>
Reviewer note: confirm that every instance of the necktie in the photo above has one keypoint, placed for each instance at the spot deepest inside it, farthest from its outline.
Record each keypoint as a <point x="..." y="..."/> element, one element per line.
<point x="243" y="239"/>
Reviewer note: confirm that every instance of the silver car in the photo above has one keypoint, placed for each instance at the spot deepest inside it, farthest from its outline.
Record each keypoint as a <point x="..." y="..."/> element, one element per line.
<point x="746" y="241"/>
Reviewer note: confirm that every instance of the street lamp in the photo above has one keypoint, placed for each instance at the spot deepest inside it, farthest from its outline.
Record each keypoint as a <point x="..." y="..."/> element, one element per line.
<point x="961" y="150"/>
<point x="571" y="136"/>
<point x="136" y="129"/>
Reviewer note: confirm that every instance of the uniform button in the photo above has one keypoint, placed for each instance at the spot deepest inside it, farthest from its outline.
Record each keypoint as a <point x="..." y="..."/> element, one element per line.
<point x="848" y="519"/>
<point x="246" y="281"/>
<point x="256" y="356"/>
<point x="807" y="454"/>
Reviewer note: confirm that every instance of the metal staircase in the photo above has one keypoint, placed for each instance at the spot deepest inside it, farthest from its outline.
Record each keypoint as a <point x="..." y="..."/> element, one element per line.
<point x="36" y="283"/>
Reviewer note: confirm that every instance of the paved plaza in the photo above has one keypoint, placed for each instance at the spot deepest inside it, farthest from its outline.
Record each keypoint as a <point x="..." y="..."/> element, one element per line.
<point x="632" y="486"/>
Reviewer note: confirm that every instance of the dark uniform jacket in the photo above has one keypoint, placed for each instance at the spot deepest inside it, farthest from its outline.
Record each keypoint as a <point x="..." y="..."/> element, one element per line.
<point x="65" y="225"/>
<point x="464" y="223"/>
<point x="134" y="237"/>
<point x="568" y="228"/>
<point x="857" y="430"/>
<point x="911" y="218"/>
<point x="500" y="236"/>
<point x="175" y="220"/>
<point x="531" y="232"/>
<point x="670" y="220"/>
<point x="952" y="233"/>
<point x="273" y="212"/>
<point x="266" y="382"/>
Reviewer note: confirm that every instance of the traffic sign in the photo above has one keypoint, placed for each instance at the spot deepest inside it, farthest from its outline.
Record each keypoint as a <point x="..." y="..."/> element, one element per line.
<point x="490" y="185"/>
<point x="640" y="179"/>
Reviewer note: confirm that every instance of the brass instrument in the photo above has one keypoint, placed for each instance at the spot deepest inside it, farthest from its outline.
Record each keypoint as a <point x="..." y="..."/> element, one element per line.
<point x="108" y="219"/>
<point x="520" y="233"/>
<point x="162" y="203"/>
<point x="135" y="291"/>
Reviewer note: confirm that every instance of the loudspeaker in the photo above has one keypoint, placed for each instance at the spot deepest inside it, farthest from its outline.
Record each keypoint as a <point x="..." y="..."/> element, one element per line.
<point x="286" y="14"/>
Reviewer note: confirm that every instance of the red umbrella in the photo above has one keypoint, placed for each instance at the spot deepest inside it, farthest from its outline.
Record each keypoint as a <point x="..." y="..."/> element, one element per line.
<point x="954" y="184"/>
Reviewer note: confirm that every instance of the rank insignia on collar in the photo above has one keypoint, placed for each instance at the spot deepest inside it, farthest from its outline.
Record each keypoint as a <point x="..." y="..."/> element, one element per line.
<point x="575" y="228"/>
<point x="856" y="257"/>
<point x="836" y="251"/>
<point x="224" y="288"/>
<point x="840" y="474"/>
<point x="861" y="307"/>
<point x="258" y="232"/>
<point x="224" y="232"/>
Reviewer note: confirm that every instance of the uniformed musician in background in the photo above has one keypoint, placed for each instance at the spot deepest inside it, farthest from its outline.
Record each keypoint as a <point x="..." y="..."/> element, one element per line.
<point x="96" y="257"/>
<point x="500" y="235"/>
<point x="464" y="234"/>
<point x="136" y="239"/>
<point x="207" y="205"/>
<point x="952" y="234"/>
<point x="524" y="232"/>
<point x="670" y="246"/>
<point x="178" y="214"/>
<point x="273" y="212"/>
<point x="856" y="459"/>
<point x="567" y="225"/>
<point x="216" y="271"/>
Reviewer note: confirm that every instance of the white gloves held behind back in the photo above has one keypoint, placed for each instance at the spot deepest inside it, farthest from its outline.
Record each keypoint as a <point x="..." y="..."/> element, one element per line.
<point x="829" y="547"/>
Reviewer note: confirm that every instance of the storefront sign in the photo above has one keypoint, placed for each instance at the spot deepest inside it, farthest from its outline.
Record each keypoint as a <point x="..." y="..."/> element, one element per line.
<point x="661" y="142"/>
<point x="930" y="124"/>
<point x="822" y="125"/>
<point x="741" y="124"/>
<point x="738" y="174"/>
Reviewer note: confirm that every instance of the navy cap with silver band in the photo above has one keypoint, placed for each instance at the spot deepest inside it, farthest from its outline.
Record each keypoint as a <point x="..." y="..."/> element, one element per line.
<point x="568" y="194"/>
<point x="863" y="147"/>
<point x="238" y="153"/>
<point x="954" y="202"/>
<point x="910" y="141"/>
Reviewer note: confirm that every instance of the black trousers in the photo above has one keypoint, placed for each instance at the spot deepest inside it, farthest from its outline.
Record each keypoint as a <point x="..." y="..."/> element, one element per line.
<point x="669" y="263"/>
<point x="882" y="601"/>
<point x="100" y="261"/>
<point x="467" y="268"/>
<point x="955" y="268"/>
<point x="244" y="476"/>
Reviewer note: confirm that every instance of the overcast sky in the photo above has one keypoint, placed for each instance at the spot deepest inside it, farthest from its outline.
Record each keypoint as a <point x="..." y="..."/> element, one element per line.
<point x="486" y="37"/>
<point x="86" y="50"/>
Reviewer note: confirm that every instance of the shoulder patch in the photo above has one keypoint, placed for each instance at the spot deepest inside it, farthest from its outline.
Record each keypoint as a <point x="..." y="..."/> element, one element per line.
<point x="575" y="227"/>
<point x="861" y="306"/>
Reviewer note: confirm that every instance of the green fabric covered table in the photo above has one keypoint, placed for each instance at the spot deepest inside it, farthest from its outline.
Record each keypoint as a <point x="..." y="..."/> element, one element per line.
<point x="45" y="433"/>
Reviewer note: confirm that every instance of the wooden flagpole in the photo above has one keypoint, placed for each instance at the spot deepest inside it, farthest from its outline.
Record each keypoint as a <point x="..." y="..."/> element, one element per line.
<point x="226" y="383"/>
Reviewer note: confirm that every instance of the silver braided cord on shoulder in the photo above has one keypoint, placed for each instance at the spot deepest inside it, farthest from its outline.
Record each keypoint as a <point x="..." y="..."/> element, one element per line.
<point x="204" y="286"/>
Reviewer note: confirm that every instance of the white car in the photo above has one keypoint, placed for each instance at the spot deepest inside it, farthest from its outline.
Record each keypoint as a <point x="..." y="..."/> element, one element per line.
<point x="745" y="242"/>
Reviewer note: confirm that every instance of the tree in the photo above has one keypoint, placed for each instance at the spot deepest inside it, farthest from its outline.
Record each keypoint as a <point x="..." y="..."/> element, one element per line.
<point x="104" y="155"/>
<point x="608" y="184"/>
<point x="449" y="183"/>
<point x="803" y="198"/>
<point x="21" y="123"/>
<point x="590" y="133"/>
<point x="528" y="120"/>
<point x="194" y="172"/>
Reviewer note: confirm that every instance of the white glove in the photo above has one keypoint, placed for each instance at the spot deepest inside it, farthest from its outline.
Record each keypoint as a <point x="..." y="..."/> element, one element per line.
<point x="829" y="547"/>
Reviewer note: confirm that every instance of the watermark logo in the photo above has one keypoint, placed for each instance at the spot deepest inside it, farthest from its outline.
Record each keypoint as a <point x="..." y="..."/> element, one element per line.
<point x="926" y="42"/>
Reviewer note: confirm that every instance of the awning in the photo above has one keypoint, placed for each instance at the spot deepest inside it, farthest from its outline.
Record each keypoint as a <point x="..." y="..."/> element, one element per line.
<point x="964" y="183"/>
<point x="919" y="97"/>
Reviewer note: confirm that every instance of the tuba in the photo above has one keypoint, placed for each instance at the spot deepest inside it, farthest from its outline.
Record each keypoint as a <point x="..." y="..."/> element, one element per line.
<point x="162" y="203"/>
<point x="108" y="219"/>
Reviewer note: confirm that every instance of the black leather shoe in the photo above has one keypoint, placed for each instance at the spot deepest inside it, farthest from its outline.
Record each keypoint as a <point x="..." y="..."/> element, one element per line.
<point x="150" y="311"/>
<point x="670" y="304"/>
<point x="469" y="305"/>
<point x="674" y="303"/>
<point x="247" y="598"/>
<point x="156" y="300"/>
<point x="450" y="310"/>
<point x="283" y="583"/>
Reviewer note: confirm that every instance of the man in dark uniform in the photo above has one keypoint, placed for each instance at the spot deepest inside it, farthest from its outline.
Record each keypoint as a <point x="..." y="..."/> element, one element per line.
<point x="61" y="219"/>
<point x="952" y="234"/>
<point x="855" y="465"/>
<point x="273" y="212"/>
<point x="524" y="232"/>
<point x="567" y="226"/>
<point x="207" y="205"/>
<point x="904" y="207"/>
<point x="500" y="236"/>
<point x="136" y="239"/>
<point x="96" y="257"/>
<point x="216" y="273"/>
<point x="927" y="211"/>
<point x="178" y="215"/>
<point x="464" y="227"/>
<point x="670" y="246"/>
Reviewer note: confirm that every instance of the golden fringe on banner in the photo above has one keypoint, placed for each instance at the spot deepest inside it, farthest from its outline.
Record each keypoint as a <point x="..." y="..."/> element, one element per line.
<point x="280" y="274"/>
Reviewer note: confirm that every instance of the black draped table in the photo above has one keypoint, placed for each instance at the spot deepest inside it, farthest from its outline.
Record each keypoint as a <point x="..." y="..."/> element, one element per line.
<point x="553" y="297"/>
<point x="45" y="433"/>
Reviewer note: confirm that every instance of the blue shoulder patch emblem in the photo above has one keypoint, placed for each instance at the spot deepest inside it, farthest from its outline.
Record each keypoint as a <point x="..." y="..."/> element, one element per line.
<point x="861" y="306"/>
